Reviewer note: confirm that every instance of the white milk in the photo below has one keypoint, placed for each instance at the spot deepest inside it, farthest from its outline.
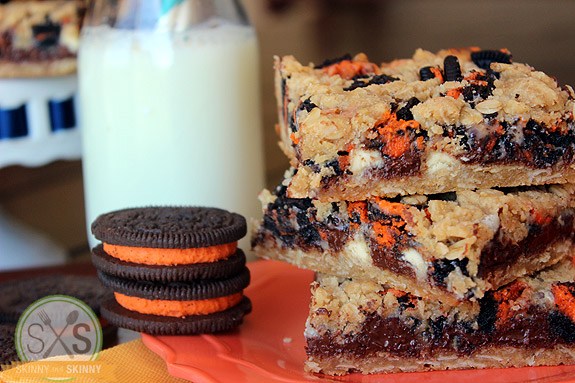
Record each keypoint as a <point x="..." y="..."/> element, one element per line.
<point x="171" y="120"/>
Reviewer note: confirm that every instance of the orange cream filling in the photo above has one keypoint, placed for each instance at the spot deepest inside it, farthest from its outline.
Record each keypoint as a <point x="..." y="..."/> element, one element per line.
<point x="178" y="308"/>
<point x="170" y="257"/>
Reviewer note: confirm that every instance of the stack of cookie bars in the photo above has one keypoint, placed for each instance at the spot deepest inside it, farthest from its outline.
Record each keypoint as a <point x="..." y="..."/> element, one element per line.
<point x="433" y="197"/>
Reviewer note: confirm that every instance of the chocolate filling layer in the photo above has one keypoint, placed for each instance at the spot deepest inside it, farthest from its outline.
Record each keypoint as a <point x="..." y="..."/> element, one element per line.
<point x="499" y="254"/>
<point x="409" y="338"/>
<point x="391" y="258"/>
<point x="406" y="165"/>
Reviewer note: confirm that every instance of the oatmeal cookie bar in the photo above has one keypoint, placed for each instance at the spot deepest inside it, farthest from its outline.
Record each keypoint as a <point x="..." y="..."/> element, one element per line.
<point x="363" y="326"/>
<point x="39" y="38"/>
<point x="452" y="246"/>
<point x="455" y="120"/>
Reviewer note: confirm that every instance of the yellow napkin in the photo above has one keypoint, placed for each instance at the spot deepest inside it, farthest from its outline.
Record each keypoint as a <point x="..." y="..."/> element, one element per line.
<point x="130" y="362"/>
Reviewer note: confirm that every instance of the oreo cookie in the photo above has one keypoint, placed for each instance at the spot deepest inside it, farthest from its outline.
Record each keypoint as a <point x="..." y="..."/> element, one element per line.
<point x="169" y="227"/>
<point x="179" y="273"/>
<point x="163" y="325"/>
<point x="17" y="295"/>
<point x="177" y="291"/>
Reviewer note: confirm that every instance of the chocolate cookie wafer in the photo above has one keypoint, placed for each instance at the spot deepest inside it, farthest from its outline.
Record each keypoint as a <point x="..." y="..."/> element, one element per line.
<point x="169" y="227"/>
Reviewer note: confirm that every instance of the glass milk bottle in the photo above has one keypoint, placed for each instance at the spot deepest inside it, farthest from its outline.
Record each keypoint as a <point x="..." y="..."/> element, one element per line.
<point x="170" y="106"/>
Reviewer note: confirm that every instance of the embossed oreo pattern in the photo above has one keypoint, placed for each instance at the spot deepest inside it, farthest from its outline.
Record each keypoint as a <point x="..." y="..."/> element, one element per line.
<point x="169" y="227"/>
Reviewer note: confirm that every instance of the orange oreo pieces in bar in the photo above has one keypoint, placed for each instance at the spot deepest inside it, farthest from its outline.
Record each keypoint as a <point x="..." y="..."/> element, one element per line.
<point x="170" y="257"/>
<point x="397" y="135"/>
<point x="564" y="299"/>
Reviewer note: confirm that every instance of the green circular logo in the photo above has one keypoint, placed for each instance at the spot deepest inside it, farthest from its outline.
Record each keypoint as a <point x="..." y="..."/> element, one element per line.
<point x="58" y="325"/>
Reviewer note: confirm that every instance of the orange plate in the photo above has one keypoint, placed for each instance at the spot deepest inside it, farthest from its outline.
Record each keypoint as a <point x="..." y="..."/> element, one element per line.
<point x="269" y="346"/>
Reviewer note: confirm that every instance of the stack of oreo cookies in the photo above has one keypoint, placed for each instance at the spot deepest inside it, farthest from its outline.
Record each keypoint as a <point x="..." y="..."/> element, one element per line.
<point x="174" y="270"/>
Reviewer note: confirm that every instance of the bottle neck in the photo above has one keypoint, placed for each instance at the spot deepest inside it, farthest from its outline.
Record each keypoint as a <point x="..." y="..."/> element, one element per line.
<point x="175" y="15"/>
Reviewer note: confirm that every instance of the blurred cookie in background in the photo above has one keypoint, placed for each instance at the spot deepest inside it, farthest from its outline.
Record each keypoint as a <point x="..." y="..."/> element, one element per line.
<point x="8" y="352"/>
<point x="16" y="295"/>
<point x="39" y="38"/>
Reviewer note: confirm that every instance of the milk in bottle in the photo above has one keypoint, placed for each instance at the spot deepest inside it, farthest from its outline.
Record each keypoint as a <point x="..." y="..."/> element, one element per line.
<point x="170" y="109"/>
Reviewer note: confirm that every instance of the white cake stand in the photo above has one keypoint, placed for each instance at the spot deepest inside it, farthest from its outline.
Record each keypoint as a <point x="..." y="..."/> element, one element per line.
<point x="38" y="125"/>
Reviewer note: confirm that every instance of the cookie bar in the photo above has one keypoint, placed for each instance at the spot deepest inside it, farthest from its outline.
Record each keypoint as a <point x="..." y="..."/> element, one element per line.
<point x="367" y="327"/>
<point x="39" y="38"/>
<point x="451" y="247"/>
<point x="455" y="120"/>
